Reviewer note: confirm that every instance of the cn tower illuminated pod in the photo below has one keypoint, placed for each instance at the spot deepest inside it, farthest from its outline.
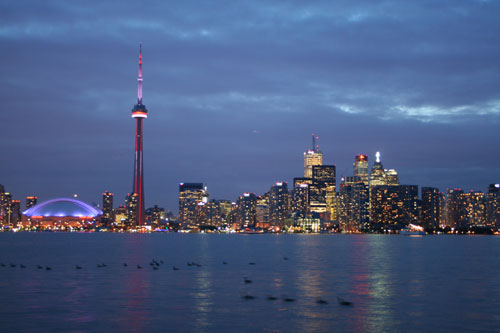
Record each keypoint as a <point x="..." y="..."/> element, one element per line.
<point x="139" y="112"/>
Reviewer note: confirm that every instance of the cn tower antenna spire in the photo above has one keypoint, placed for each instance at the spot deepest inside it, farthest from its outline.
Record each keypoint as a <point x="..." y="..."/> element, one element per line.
<point x="139" y="77"/>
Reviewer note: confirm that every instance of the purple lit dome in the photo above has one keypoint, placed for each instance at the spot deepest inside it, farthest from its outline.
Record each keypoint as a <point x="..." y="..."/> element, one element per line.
<point x="63" y="207"/>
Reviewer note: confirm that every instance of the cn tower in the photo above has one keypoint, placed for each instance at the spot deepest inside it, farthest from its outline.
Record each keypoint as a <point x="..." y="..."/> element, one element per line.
<point x="139" y="112"/>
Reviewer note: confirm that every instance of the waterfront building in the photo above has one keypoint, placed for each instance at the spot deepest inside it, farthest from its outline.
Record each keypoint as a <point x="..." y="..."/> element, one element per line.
<point x="324" y="184"/>
<point x="16" y="213"/>
<point x="473" y="214"/>
<point x="431" y="198"/>
<point x="139" y="112"/>
<point x="107" y="209"/>
<point x="121" y="216"/>
<point x="361" y="167"/>
<point x="190" y="195"/>
<point x="353" y="212"/>
<point x="247" y="207"/>
<point x="312" y="157"/>
<point x="61" y="214"/>
<point x="155" y="215"/>
<point x="262" y="211"/>
<point x="454" y="207"/>
<point x="300" y="199"/>
<point x="493" y="206"/>
<point x="132" y="202"/>
<point x="278" y="204"/>
<point x="393" y="207"/>
<point x="31" y="201"/>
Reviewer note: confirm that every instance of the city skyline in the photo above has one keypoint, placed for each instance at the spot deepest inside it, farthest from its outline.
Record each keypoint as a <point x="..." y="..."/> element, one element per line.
<point x="236" y="117"/>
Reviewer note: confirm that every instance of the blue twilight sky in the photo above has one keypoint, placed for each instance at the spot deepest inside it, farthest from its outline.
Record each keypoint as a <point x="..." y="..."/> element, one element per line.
<point x="236" y="88"/>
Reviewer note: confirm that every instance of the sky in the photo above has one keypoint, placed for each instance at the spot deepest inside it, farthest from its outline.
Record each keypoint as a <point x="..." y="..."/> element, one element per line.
<point x="235" y="89"/>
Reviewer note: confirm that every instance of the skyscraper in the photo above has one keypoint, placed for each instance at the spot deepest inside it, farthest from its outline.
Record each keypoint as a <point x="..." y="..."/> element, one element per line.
<point x="324" y="178"/>
<point x="139" y="112"/>
<point x="353" y="204"/>
<point x="31" y="201"/>
<point x="190" y="195"/>
<point x="361" y="167"/>
<point x="278" y="204"/>
<point x="107" y="208"/>
<point x="493" y="206"/>
<point x="247" y="207"/>
<point x="430" y="207"/>
<point x="312" y="157"/>
<point x="377" y="175"/>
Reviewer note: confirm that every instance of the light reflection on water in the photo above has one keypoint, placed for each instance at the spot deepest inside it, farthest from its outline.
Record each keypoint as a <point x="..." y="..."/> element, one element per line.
<point x="437" y="283"/>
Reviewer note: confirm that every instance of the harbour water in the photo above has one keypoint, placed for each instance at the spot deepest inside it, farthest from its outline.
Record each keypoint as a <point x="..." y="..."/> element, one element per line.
<point x="395" y="283"/>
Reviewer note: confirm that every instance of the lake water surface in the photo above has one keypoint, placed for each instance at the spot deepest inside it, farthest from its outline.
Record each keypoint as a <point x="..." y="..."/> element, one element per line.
<point x="396" y="283"/>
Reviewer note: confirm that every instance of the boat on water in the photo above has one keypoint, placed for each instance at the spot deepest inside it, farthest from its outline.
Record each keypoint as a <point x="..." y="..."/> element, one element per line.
<point x="412" y="230"/>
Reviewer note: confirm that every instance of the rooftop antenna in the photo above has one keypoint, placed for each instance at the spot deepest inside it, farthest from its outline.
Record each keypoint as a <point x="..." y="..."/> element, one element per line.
<point x="377" y="157"/>
<point x="139" y="77"/>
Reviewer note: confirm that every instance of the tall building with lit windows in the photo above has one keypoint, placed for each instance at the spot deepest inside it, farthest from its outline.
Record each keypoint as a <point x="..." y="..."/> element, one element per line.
<point x="278" y="204"/>
<point x="190" y="195"/>
<point x="431" y="198"/>
<point x="323" y="190"/>
<point x="107" y="208"/>
<point x="393" y="206"/>
<point x="31" y="201"/>
<point x="377" y="174"/>
<point x="247" y="208"/>
<point x="353" y="212"/>
<point x="312" y="157"/>
<point x="361" y="167"/>
<point x="391" y="177"/>
<point x="493" y="206"/>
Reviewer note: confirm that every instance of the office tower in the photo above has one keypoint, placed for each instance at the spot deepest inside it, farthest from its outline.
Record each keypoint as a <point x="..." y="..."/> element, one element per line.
<point x="361" y="167"/>
<point x="278" y="204"/>
<point x="431" y="198"/>
<point x="377" y="175"/>
<point x="262" y="211"/>
<point x="31" y="201"/>
<point x="393" y="207"/>
<point x="325" y="177"/>
<point x="156" y="215"/>
<point x="454" y="207"/>
<point x="121" y="216"/>
<point x="132" y="202"/>
<point x="493" y="206"/>
<point x="474" y="210"/>
<point x="247" y="207"/>
<point x="3" y="204"/>
<point x="190" y="194"/>
<point x="16" y="212"/>
<point x="391" y="177"/>
<point x="107" y="208"/>
<point x="312" y="157"/>
<point x="300" y="199"/>
<point x="139" y="112"/>
<point x="353" y="202"/>
<point x="6" y="202"/>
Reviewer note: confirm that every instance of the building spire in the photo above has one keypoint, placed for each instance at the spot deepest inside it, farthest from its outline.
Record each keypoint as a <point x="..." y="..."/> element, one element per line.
<point x="139" y="77"/>
<point x="377" y="157"/>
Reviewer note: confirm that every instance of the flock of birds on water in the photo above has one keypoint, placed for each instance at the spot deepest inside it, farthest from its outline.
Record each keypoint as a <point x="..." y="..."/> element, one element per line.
<point x="155" y="264"/>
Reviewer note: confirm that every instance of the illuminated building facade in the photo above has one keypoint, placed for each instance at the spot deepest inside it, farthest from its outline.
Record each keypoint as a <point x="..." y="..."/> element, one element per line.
<point x="31" y="201"/>
<point x="431" y="212"/>
<point x="454" y="207"/>
<point x="353" y="212"/>
<point x="247" y="207"/>
<point x="155" y="215"/>
<point x="132" y="202"/>
<point x="377" y="174"/>
<point x="393" y="207"/>
<point x="324" y="177"/>
<point x="262" y="211"/>
<point x="312" y="157"/>
<point x="300" y="199"/>
<point x="107" y="208"/>
<point x="493" y="206"/>
<point x="278" y="204"/>
<point x="361" y="167"/>
<point x="391" y="177"/>
<point x="61" y="214"/>
<point x="190" y="195"/>
<point x="473" y="213"/>
<point x="139" y="112"/>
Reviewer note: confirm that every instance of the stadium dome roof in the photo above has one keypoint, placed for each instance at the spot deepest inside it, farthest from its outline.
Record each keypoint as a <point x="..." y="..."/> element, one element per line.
<point x="62" y="207"/>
